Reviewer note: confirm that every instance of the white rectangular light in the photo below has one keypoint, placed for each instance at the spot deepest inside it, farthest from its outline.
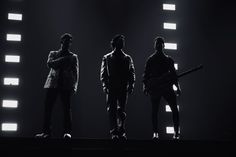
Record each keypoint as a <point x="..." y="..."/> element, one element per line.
<point x="11" y="81"/>
<point x="12" y="58"/>
<point x="9" y="127"/>
<point x="13" y="37"/>
<point x="169" y="7"/>
<point x="170" y="130"/>
<point x="169" y="26"/>
<point x="170" y="46"/>
<point x="168" y="109"/>
<point x="176" y="66"/>
<point x="14" y="16"/>
<point x="10" y="103"/>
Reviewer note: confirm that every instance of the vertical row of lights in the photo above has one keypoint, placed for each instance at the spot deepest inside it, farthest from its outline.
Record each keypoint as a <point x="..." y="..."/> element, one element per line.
<point x="11" y="81"/>
<point x="171" y="26"/>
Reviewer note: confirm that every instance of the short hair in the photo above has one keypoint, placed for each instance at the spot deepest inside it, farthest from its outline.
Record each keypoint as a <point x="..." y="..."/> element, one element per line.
<point x="116" y="39"/>
<point x="66" y="36"/>
<point x="159" y="39"/>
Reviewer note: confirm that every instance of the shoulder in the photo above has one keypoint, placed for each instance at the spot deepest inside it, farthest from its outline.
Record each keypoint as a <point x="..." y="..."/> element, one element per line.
<point x="108" y="55"/>
<point x="74" y="55"/>
<point x="128" y="56"/>
<point x="150" y="58"/>
<point x="169" y="59"/>
<point x="53" y="52"/>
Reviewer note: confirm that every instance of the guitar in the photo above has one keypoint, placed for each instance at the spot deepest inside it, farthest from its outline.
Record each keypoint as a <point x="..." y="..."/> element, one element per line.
<point x="161" y="82"/>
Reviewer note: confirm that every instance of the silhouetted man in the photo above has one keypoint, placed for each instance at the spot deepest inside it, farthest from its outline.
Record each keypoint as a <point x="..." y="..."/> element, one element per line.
<point x="118" y="78"/>
<point x="62" y="81"/>
<point x="158" y="80"/>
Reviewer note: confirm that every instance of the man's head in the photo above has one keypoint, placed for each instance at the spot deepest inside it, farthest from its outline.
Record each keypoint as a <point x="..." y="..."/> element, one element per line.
<point x="66" y="40"/>
<point x="118" y="42"/>
<point x="159" y="43"/>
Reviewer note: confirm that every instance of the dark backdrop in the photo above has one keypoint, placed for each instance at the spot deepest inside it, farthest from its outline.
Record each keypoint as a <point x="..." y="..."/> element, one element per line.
<point x="205" y="34"/>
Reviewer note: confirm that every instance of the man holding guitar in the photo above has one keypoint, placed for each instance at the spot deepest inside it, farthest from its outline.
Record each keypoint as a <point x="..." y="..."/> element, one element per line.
<point x="158" y="80"/>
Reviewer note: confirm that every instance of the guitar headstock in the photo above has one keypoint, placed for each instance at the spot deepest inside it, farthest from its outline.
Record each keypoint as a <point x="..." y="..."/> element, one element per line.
<point x="200" y="66"/>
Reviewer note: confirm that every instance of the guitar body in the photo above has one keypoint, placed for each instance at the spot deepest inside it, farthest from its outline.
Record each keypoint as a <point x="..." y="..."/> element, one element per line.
<point x="166" y="80"/>
<point x="160" y="83"/>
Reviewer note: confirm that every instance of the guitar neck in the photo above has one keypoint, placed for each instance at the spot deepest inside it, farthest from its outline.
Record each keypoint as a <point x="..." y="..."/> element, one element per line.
<point x="190" y="71"/>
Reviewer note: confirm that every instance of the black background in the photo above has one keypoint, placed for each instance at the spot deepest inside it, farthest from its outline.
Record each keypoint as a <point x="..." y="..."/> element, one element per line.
<point x="205" y="35"/>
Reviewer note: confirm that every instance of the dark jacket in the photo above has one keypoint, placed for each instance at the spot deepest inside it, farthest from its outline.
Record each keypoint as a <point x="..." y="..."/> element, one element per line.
<point x="64" y="71"/>
<point x="117" y="71"/>
<point x="159" y="68"/>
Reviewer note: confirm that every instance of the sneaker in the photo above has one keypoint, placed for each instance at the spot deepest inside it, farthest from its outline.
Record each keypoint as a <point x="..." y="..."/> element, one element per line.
<point x="123" y="137"/>
<point x="122" y="134"/>
<point x="155" y="136"/>
<point x="114" y="137"/>
<point x="176" y="137"/>
<point x="67" y="136"/>
<point x="114" y="134"/>
<point x="43" y="135"/>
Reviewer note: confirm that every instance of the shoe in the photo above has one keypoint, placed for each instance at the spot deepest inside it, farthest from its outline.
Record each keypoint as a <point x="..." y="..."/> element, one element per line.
<point x="155" y="136"/>
<point x="67" y="136"/>
<point x="114" y="137"/>
<point x="123" y="137"/>
<point x="43" y="135"/>
<point x="176" y="137"/>
<point x="122" y="134"/>
<point x="114" y="134"/>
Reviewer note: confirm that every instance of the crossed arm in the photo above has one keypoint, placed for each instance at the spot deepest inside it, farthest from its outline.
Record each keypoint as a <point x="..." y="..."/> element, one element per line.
<point x="57" y="63"/>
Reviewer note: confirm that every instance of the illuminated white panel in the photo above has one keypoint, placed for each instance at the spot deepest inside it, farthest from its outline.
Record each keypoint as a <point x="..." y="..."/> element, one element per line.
<point x="11" y="81"/>
<point x="169" y="7"/>
<point x="176" y="66"/>
<point x="13" y="37"/>
<point x="175" y="88"/>
<point x="169" y="26"/>
<point x="168" y="109"/>
<point x="12" y="58"/>
<point x="14" y="16"/>
<point x="170" y="46"/>
<point x="170" y="130"/>
<point x="10" y="103"/>
<point x="9" y="126"/>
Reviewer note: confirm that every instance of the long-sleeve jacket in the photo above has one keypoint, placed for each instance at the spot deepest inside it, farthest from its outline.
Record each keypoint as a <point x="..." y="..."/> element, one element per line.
<point x="161" y="67"/>
<point x="117" y="71"/>
<point x="64" y="71"/>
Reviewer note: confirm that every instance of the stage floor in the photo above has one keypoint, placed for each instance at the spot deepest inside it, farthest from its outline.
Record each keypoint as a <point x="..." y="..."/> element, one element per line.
<point x="102" y="147"/>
